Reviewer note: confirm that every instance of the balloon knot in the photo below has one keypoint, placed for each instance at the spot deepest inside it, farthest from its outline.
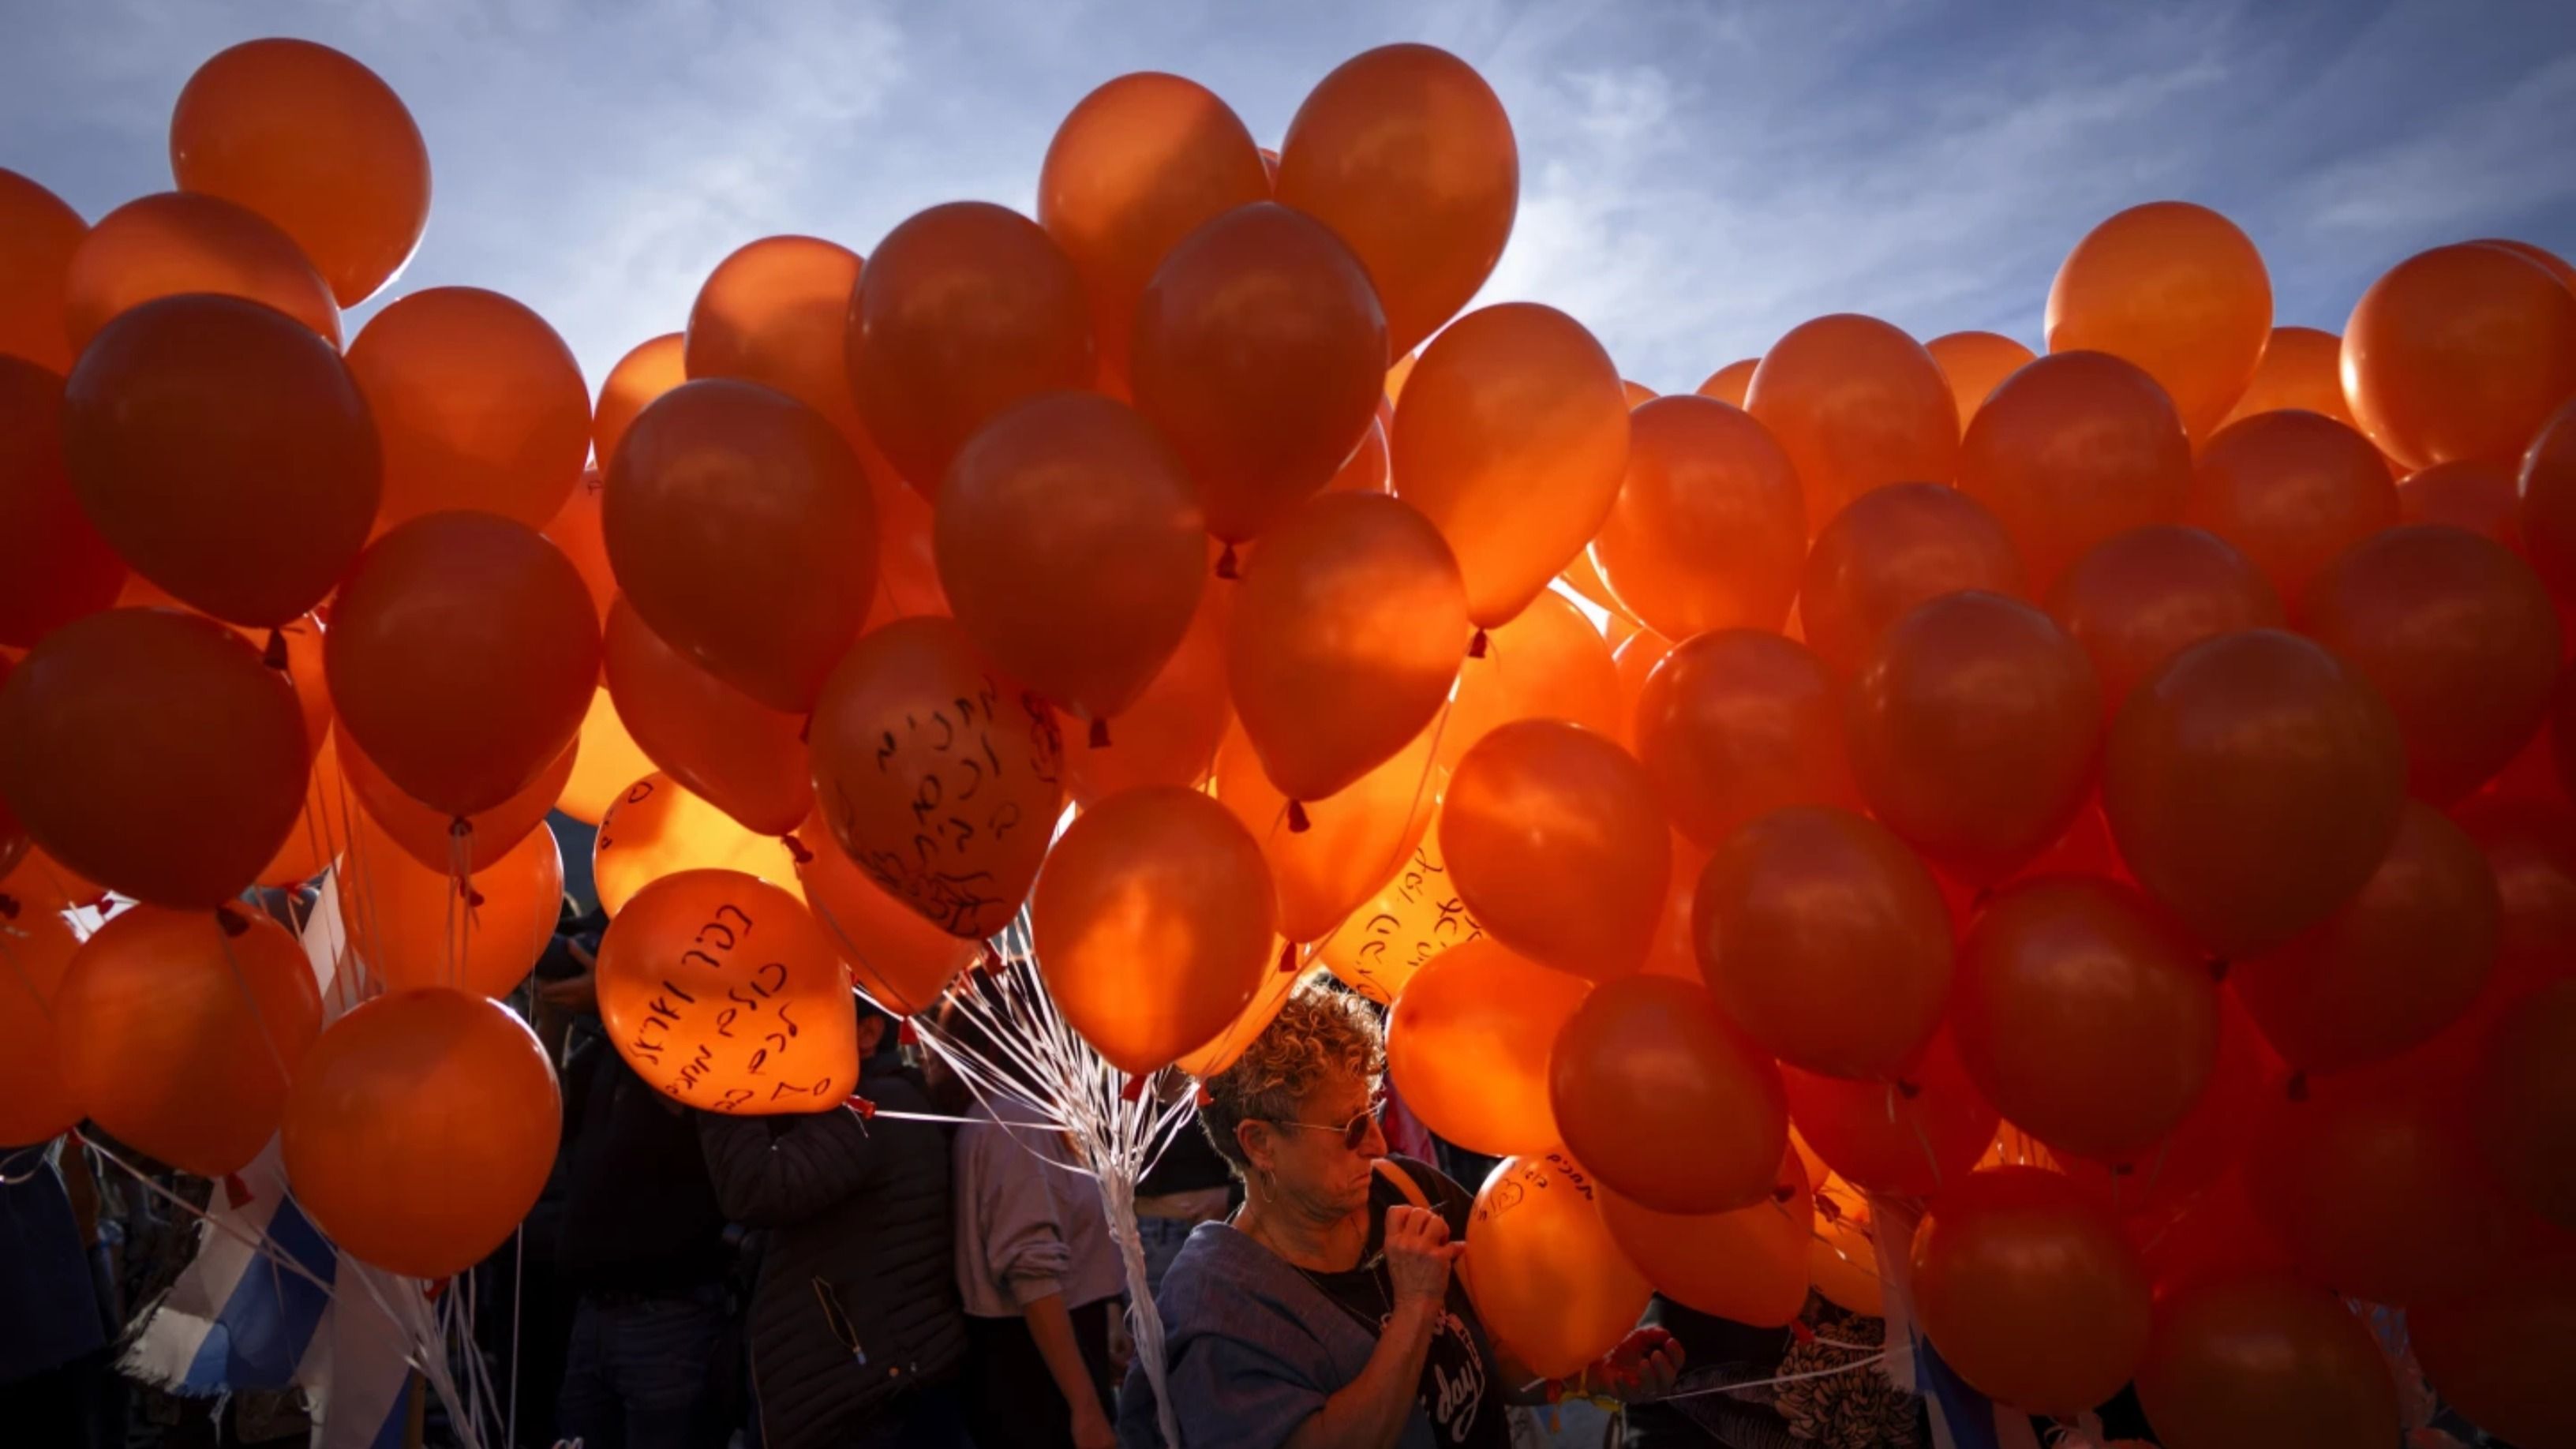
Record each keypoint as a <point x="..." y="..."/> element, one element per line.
<point x="1134" y="1091"/>
<point x="435" y="1289"/>
<point x="2218" y="969"/>
<point x="907" y="1034"/>
<point x="796" y="850"/>
<point x="1476" y="646"/>
<point x="990" y="963"/>
<point x="237" y="1193"/>
<point x="1100" y="734"/>
<point x="1984" y="897"/>
<point x="1297" y="820"/>
<point x="274" y="656"/>
<point x="8" y="908"/>
<point x="1205" y="1098"/>
<point x="473" y="898"/>
<point x="1287" y="957"/>
<point x="1225" y="566"/>
<point x="460" y="828"/>
<point x="1908" y="1090"/>
<point x="1800" y="1331"/>
<point x="2124" y="1169"/>
<point x="805" y="730"/>
<point x="1828" y="1209"/>
<point x="232" y="921"/>
<point x="2298" y="1086"/>
<point x="861" y="1107"/>
<point x="1784" y="1192"/>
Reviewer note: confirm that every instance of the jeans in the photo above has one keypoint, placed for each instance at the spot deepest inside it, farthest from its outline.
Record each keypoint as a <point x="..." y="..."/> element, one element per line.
<point x="636" y="1373"/>
<point x="1162" y="1239"/>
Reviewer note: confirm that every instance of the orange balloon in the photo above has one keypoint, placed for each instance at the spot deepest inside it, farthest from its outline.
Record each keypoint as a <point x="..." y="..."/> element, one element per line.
<point x="1170" y="734"/>
<point x="152" y="751"/>
<point x="2391" y="967"/>
<point x="1138" y="164"/>
<point x="2301" y="368"/>
<point x="54" y="567"/>
<point x="1348" y="629"/>
<point x="1085" y="603"/>
<point x="462" y="655"/>
<point x="1365" y="470"/>
<point x="721" y="991"/>
<point x="1975" y="364"/>
<point x="1826" y="940"/>
<point x="2372" y="1183"/>
<point x="1736" y="723"/>
<point x="1634" y="660"/>
<point x="1675" y="952"/>
<point x="1559" y="843"/>
<point x="38" y="235"/>
<point x="605" y="760"/>
<point x="1709" y="528"/>
<point x="480" y="405"/>
<point x="179" y="1030"/>
<point x="1749" y="1265"/>
<point x="2263" y="1361"/>
<point x="2137" y="599"/>
<point x="907" y="552"/>
<point x="2459" y="352"/>
<point x="2523" y="1102"/>
<point x="225" y="453"/>
<point x="2176" y="289"/>
<point x="2292" y="490"/>
<point x="43" y="883"/>
<point x="313" y="845"/>
<point x="2072" y="450"/>
<point x="1468" y="1044"/>
<point x="899" y="960"/>
<point x="940" y="777"/>
<point x="2253" y="784"/>
<point x="1729" y="383"/>
<point x="2029" y="1292"/>
<point x="1908" y="1137"/>
<point x="421" y="1130"/>
<point x="1675" y="1111"/>
<point x="1386" y="942"/>
<point x="175" y="243"/>
<point x="1546" y="1276"/>
<point x="776" y="312"/>
<point x="2153" y="1186"/>
<point x="1890" y="551"/>
<point x="1842" y="1256"/>
<point x="2499" y="1355"/>
<point x="1512" y="438"/>
<point x="1234" y="1039"/>
<point x="649" y="369"/>
<point x="1153" y="921"/>
<point x="2548" y="486"/>
<point x="2556" y="265"/>
<point x="742" y="531"/>
<point x="1547" y="663"/>
<point x="1973" y="727"/>
<point x="1260" y="353"/>
<point x="729" y="749"/>
<point x="315" y="142"/>
<point x="657" y="828"/>
<point x="415" y="926"/>
<point x="1404" y="151"/>
<point x="2086" y="1020"/>
<point x="575" y="529"/>
<point x="2479" y="496"/>
<point x="426" y="833"/>
<point x="1354" y="840"/>
<point x="2530" y="845"/>
<point x="966" y="309"/>
<point x="2456" y="633"/>
<point x="36" y="947"/>
<point x="1858" y="405"/>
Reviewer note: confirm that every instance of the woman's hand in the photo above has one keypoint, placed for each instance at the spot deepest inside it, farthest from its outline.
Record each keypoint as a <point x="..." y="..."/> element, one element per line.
<point x="1418" y="1254"/>
<point x="1091" y="1428"/>
<point x="1642" y="1367"/>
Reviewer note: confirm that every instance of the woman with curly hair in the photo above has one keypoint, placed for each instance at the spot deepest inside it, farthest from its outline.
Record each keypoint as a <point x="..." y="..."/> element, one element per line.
<point x="1325" y="1315"/>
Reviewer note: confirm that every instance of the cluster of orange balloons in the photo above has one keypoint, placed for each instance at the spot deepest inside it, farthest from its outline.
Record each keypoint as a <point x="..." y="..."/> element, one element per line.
<point x="2152" y="753"/>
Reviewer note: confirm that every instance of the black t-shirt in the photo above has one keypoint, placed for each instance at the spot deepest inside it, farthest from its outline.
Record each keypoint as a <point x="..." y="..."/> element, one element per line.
<point x="1461" y="1391"/>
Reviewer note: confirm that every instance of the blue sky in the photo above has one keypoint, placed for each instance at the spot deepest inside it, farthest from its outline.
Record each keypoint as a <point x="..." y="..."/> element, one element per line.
<point x="1696" y="177"/>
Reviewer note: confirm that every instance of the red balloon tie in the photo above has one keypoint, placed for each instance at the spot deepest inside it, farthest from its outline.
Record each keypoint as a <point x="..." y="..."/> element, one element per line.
<point x="1297" y="822"/>
<point x="236" y="1191"/>
<point x="275" y="655"/>
<point x="1908" y="1090"/>
<point x="231" y="920"/>
<point x="1800" y="1331"/>
<point x="796" y="850"/>
<point x="906" y="1035"/>
<point x="1100" y="734"/>
<point x="1205" y="1097"/>
<point x="1225" y="568"/>
<point x="1784" y="1192"/>
<point x="2298" y="1086"/>
<point x="2218" y="969"/>
<point x="8" y="908"/>
<point x="1476" y="646"/>
<point x="1134" y="1091"/>
<point x="1287" y="957"/>
<point x="861" y="1106"/>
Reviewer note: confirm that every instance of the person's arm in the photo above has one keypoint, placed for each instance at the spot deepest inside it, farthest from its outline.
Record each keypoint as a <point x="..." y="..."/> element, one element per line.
<point x="768" y="1182"/>
<point x="1370" y="1411"/>
<point x="1051" y="1324"/>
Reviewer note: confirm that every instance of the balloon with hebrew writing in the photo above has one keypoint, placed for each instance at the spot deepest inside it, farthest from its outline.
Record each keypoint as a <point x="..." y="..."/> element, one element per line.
<point x="1545" y="1272"/>
<point x="659" y="827"/>
<point x="1416" y="917"/>
<point x="723" y="992"/>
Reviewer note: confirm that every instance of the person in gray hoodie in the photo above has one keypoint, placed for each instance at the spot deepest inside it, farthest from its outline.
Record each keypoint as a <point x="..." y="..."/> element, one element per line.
<point x="1325" y="1314"/>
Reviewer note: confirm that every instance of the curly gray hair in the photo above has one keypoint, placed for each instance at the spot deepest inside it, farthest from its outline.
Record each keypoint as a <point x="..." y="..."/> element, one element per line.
<point x="1320" y="1033"/>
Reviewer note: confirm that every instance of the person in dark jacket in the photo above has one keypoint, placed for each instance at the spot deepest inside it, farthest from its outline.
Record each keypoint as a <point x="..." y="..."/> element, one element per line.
<point x="855" y="1329"/>
<point x="54" y="1344"/>
<point x="641" y="1238"/>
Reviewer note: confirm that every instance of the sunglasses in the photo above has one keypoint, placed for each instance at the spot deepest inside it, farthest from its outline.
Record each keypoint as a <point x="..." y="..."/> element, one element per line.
<point x="1354" y="1132"/>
